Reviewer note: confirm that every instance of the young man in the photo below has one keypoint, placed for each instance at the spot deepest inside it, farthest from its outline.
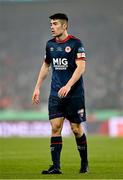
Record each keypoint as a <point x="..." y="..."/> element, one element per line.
<point x="66" y="55"/>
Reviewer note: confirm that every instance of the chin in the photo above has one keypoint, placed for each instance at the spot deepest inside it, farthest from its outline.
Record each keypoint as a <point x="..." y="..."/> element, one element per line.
<point x="54" y="35"/>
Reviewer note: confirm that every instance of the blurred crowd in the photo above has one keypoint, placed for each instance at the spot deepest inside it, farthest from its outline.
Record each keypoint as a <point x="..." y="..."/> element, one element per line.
<point x="24" y="31"/>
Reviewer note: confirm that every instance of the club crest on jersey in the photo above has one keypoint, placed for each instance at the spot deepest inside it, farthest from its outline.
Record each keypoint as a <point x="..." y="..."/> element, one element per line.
<point x="67" y="49"/>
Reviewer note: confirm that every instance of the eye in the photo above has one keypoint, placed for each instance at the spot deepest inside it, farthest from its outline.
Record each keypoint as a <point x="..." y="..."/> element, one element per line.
<point x="55" y="23"/>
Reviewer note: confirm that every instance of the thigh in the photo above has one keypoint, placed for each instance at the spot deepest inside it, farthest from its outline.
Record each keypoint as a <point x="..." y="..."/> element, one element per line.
<point x="55" y="108"/>
<point x="75" y="110"/>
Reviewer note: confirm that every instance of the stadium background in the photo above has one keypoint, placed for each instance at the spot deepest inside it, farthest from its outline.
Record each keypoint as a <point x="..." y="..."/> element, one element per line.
<point x="24" y="30"/>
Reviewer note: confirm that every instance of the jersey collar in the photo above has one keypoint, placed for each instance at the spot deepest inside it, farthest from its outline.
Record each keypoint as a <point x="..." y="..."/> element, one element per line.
<point x="66" y="39"/>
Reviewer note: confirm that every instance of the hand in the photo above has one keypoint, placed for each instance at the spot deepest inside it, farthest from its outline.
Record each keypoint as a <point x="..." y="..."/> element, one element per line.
<point x="35" y="97"/>
<point x="64" y="91"/>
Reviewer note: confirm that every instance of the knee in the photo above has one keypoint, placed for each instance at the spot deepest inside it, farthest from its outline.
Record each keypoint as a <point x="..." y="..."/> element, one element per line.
<point x="75" y="130"/>
<point x="56" y="129"/>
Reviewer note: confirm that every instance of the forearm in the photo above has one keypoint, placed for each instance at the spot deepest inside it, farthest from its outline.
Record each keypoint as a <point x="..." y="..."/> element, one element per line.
<point x="76" y="76"/>
<point x="42" y="75"/>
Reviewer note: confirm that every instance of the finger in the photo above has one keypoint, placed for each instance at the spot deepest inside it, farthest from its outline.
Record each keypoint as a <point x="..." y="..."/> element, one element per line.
<point x="35" y="100"/>
<point x="33" y="97"/>
<point x="59" y="92"/>
<point x="60" y="95"/>
<point x="63" y="93"/>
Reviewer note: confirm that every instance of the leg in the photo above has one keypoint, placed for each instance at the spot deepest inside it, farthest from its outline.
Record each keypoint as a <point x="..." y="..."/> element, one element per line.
<point x="56" y="145"/>
<point x="56" y="125"/>
<point x="77" y="129"/>
<point x="81" y="145"/>
<point x="76" y="114"/>
<point x="56" y="141"/>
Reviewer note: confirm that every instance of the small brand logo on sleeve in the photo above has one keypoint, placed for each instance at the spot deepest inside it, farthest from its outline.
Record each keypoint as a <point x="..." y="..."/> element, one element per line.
<point x="81" y="49"/>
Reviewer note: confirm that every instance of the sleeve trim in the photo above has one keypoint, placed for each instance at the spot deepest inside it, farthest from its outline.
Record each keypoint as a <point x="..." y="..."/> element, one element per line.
<point x="47" y="61"/>
<point x="82" y="58"/>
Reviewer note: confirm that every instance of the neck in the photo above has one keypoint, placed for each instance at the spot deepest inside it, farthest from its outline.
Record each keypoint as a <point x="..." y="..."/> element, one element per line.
<point x="62" y="36"/>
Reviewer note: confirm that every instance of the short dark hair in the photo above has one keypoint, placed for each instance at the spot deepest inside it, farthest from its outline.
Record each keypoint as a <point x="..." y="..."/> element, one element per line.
<point x="59" y="16"/>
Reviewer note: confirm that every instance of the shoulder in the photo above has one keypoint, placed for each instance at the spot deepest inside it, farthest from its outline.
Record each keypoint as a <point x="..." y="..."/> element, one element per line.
<point x="78" y="44"/>
<point x="50" y="41"/>
<point x="76" y="40"/>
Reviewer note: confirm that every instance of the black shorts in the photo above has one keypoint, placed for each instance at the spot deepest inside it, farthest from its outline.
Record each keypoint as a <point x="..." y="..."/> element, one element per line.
<point x="72" y="108"/>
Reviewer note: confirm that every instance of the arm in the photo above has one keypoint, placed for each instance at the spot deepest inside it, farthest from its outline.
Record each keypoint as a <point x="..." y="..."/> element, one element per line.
<point x="80" y="69"/>
<point x="42" y="75"/>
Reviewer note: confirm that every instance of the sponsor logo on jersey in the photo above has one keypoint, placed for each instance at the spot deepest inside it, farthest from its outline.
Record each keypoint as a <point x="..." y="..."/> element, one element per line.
<point x="67" y="49"/>
<point x="81" y="55"/>
<point x="81" y="49"/>
<point x="60" y="63"/>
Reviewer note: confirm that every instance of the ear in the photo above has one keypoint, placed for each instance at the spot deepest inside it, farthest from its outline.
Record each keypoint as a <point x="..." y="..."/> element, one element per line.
<point x="65" y="26"/>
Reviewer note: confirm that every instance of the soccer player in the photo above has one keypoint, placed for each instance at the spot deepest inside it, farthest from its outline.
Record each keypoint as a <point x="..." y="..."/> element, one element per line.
<point x="66" y="55"/>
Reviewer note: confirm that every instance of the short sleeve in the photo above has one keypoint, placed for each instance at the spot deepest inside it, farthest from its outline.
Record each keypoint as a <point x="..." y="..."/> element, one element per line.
<point x="47" y="55"/>
<point x="81" y="54"/>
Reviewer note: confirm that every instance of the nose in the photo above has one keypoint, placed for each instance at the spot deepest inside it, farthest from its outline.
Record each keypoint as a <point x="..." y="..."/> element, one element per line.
<point x="51" y="26"/>
<point x="52" y="29"/>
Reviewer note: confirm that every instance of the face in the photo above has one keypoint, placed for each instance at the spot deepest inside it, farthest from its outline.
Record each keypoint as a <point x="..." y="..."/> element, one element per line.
<point x="57" y="27"/>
